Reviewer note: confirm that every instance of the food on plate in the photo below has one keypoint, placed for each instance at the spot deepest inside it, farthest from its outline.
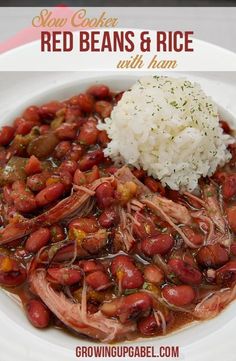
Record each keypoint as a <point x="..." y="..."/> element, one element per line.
<point x="126" y="246"/>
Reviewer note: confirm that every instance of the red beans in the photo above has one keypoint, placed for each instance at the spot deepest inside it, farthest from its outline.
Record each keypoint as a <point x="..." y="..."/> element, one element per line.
<point x="98" y="280"/>
<point x="231" y="215"/>
<point x="182" y="295"/>
<point x="31" y="114"/>
<point x="23" y="126"/>
<point x="37" y="313"/>
<point x="38" y="239"/>
<point x="225" y="126"/>
<point x="212" y="256"/>
<point x="85" y="102"/>
<point x="160" y="244"/>
<point x="229" y="186"/>
<point x="103" y="138"/>
<point x="105" y="195"/>
<point x="226" y="275"/>
<point x="90" y="159"/>
<point x="99" y="91"/>
<point x="24" y="200"/>
<point x="194" y="236"/>
<point x="134" y="306"/>
<point x="12" y="273"/>
<point x="153" y="274"/>
<point x="69" y="166"/>
<point x="103" y="108"/>
<point x="88" y="133"/>
<point x="127" y="274"/>
<point x="145" y="227"/>
<point x="91" y="265"/>
<point x="49" y="194"/>
<point x="185" y="272"/>
<point x="62" y="149"/>
<point x="6" y="135"/>
<point x="108" y="218"/>
<point x="37" y="182"/>
<point x="49" y="110"/>
<point x="86" y="224"/>
<point x="76" y="152"/>
<point x="64" y="276"/>
<point x="67" y="131"/>
<point x="148" y="326"/>
<point x="33" y="166"/>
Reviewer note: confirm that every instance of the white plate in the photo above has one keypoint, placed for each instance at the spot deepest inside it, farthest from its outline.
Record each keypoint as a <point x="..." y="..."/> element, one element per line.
<point x="209" y="340"/>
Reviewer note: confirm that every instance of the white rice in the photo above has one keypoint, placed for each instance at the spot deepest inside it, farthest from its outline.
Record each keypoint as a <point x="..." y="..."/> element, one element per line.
<point x="170" y="128"/>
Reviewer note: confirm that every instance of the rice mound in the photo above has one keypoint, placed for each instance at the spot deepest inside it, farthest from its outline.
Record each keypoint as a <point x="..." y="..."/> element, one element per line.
<point x="170" y="128"/>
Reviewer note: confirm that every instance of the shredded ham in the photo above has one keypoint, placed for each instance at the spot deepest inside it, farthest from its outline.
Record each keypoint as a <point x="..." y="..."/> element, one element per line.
<point x="155" y="207"/>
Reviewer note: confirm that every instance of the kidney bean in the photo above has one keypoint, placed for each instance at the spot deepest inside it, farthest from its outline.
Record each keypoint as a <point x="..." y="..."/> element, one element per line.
<point x="99" y="91"/>
<point x="194" y="236"/>
<point x="144" y="227"/>
<point x="24" y="200"/>
<point x="181" y="295"/>
<point x="31" y="114"/>
<point x="229" y="186"/>
<point x="103" y="138"/>
<point x="98" y="280"/>
<point x="105" y="195"/>
<point x="33" y="166"/>
<point x="64" y="276"/>
<point x="69" y="165"/>
<point x="62" y="149"/>
<point x="65" y="178"/>
<point x="88" y="133"/>
<point x="86" y="224"/>
<point x="37" y="313"/>
<point x="12" y="273"/>
<point x="148" y="326"/>
<point x="37" y="240"/>
<point x="57" y="233"/>
<point x="23" y="126"/>
<point x="67" y="131"/>
<point x="153" y="274"/>
<point x="6" y="135"/>
<point x="133" y="306"/>
<point x="37" y="182"/>
<point x="72" y="114"/>
<point x="103" y="108"/>
<point x="109" y="218"/>
<point x="119" y="261"/>
<point x="90" y="159"/>
<point x="213" y="256"/>
<point x="76" y="152"/>
<point x="91" y="265"/>
<point x="185" y="272"/>
<point x="49" y="110"/>
<point x="49" y="194"/>
<point x="84" y="101"/>
<point x="226" y="275"/>
<point x="154" y="185"/>
<point x="128" y="275"/>
<point x="160" y="244"/>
